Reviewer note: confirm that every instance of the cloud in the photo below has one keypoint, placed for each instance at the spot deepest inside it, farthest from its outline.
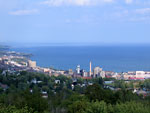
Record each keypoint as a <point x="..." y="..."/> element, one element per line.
<point x="143" y="11"/>
<point x="133" y="15"/>
<point x="75" y="2"/>
<point x="128" y="1"/>
<point x="24" y="12"/>
<point x="137" y="19"/>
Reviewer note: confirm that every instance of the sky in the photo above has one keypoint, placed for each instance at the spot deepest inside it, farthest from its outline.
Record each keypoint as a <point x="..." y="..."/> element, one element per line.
<point x="75" y="21"/>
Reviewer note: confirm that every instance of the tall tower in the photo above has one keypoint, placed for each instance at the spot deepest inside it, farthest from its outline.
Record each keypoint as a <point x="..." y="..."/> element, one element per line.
<point x="90" y="74"/>
<point x="78" y="69"/>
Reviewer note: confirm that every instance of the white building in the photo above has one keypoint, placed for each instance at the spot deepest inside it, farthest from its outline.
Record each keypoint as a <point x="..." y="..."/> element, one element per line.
<point x="97" y="72"/>
<point x="142" y="74"/>
<point x="102" y="74"/>
<point x="78" y="69"/>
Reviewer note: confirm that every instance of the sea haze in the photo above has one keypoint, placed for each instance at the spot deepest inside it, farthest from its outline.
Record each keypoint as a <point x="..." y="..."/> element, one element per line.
<point x="110" y="58"/>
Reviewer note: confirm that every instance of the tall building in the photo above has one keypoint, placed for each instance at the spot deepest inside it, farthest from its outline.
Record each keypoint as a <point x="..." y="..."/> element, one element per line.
<point x="78" y="69"/>
<point x="31" y="64"/>
<point x="90" y="73"/>
<point x="97" y="72"/>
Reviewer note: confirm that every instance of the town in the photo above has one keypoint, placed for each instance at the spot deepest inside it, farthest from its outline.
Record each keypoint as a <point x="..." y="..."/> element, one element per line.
<point x="13" y="62"/>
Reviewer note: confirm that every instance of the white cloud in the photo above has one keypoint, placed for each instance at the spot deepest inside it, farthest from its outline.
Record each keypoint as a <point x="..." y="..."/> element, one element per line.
<point x="75" y="2"/>
<point x="24" y="12"/>
<point x="137" y="19"/>
<point x="143" y="11"/>
<point x="128" y="1"/>
<point x="133" y="15"/>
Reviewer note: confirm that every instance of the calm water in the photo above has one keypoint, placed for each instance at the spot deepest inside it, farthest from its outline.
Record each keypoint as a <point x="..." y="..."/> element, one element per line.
<point x="109" y="58"/>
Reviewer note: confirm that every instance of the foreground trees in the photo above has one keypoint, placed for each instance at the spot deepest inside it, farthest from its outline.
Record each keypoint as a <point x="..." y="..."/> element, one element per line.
<point x="102" y="107"/>
<point x="13" y="109"/>
<point x="19" y="98"/>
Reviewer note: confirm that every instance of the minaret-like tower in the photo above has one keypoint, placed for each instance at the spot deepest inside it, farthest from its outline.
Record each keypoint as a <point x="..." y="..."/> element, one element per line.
<point x="90" y="74"/>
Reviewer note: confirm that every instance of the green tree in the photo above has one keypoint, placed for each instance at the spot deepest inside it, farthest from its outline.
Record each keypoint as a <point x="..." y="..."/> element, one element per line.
<point x="131" y="107"/>
<point x="95" y="92"/>
<point x="97" y="107"/>
<point x="80" y="106"/>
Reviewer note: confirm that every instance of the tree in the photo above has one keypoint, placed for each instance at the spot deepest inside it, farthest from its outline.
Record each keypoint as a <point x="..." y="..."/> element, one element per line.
<point x="13" y="109"/>
<point x="95" y="92"/>
<point x="97" y="107"/>
<point x="80" y="106"/>
<point x="125" y="95"/>
<point x="35" y="101"/>
<point x="131" y="107"/>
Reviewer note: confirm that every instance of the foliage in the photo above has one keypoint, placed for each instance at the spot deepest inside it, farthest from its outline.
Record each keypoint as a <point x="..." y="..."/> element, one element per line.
<point x="18" y="97"/>
<point x="13" y="109"/>
<point x="146" y="84"/>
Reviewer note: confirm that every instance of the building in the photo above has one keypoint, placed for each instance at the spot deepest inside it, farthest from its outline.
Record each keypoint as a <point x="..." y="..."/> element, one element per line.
<point x="45" y="70"/>
<point x="78" y="69"/>
<point x="31" y="64"/>
<point x="61" y="72"/>
<point x="137" y="75"/>
<point x="97" y="72"/>
<point x="140" y="74"/>
<point x="70" y="72"/>
<point x="83" y="73"/>
<point x="102" y="74"/>
<point x="57" y="81"/>
<point x="109" y="74"/>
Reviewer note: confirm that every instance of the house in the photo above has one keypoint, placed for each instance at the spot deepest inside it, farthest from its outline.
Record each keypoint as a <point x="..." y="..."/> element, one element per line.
<point x="35" y="81"/>
<point x="108" y="82"/>
<point x="44" y="94"/>
<point x="90" y="83"/>
<point x="57" y="81"/>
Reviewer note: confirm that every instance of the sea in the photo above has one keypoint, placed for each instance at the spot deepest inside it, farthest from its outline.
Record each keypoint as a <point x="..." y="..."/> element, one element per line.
<point x="110" y="58"/>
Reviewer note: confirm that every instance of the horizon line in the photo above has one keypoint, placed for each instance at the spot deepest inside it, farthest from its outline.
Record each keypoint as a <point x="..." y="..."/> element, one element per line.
<point x="38" y="44"/>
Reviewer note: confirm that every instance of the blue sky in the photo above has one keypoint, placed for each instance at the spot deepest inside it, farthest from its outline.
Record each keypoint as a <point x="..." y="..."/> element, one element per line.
<point x="75" y="21"/>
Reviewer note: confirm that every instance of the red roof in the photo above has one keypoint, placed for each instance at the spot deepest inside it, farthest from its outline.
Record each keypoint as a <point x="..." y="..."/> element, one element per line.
<point x="108" y="76"/>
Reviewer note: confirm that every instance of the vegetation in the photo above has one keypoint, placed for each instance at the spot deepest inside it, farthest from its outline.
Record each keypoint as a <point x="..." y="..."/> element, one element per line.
<point x="22" y="93"/>
<point x="145" y="84"/>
